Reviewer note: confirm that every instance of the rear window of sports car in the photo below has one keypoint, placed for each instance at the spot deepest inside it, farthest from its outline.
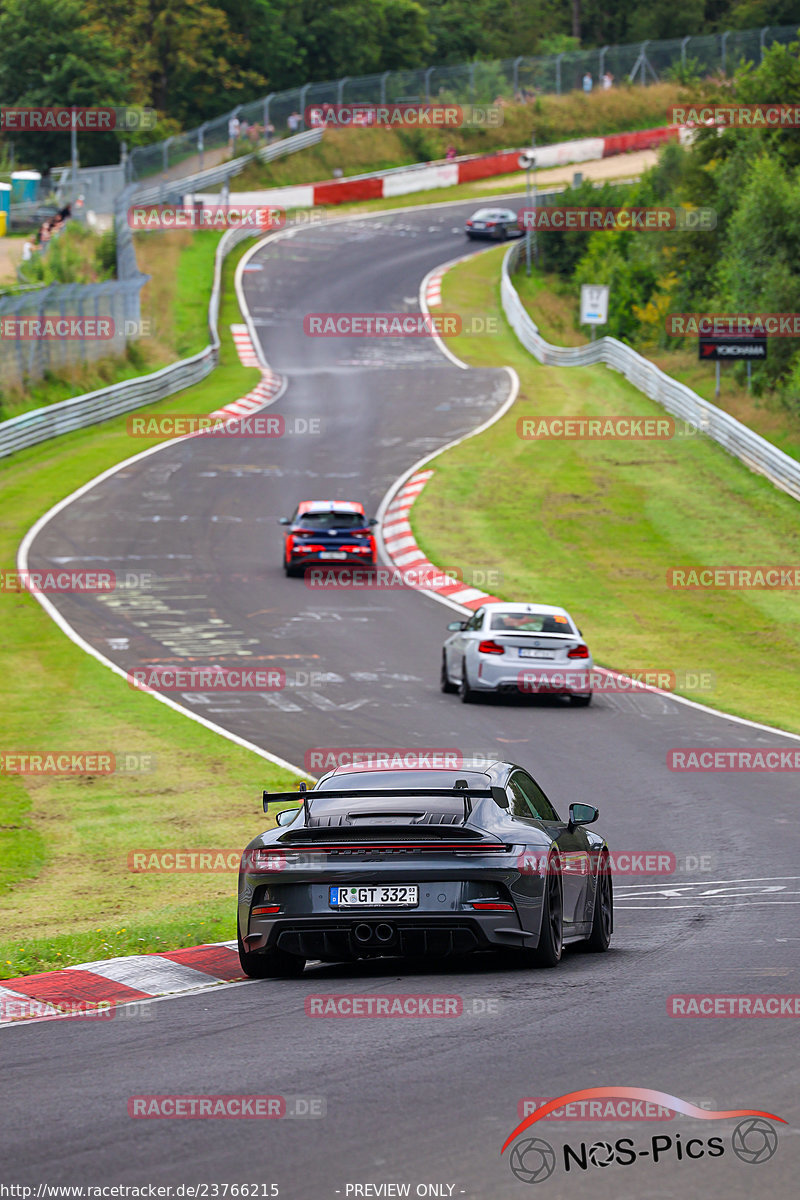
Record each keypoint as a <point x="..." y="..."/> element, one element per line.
<point x="533" y="622"/>
<point x="332" y="520"/>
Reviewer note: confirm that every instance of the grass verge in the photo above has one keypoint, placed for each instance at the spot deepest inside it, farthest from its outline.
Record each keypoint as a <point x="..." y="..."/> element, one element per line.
<point x="554" y="306"/>
<point x="356" y="151"/>
<point x="596" y="525"/>
<point x="66" y="893"/>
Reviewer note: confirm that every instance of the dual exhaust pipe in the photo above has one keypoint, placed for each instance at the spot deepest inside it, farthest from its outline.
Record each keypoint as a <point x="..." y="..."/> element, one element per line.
<point x="382" y="932"/>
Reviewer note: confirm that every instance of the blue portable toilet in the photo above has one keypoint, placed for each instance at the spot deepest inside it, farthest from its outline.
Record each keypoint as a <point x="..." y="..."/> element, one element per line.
<point x="5" y="207"/>
<point x="25" y="186"/>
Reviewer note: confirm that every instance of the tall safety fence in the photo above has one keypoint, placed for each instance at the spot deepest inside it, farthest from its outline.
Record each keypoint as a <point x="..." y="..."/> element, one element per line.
<point x="754" y="451"/>
<point x="33" y="322"/>
<point x="476" y="83"/>
<point x="30" y="428"/>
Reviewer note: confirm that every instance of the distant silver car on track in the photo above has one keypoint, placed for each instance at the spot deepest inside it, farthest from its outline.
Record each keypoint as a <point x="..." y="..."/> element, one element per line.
<point x="495" y="223"/>
<point x="522" y="648"/>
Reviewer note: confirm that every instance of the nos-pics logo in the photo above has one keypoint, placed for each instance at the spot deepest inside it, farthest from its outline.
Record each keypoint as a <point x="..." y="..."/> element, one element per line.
<point x="533" y="1160"/>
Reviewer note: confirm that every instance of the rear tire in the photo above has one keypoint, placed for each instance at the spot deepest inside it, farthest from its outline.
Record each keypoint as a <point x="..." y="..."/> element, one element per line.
<point x="467" y="694"/>
<point x="551" y="939"/>
<point x="603" y="916"/>
<point x="581" y="701"/>
<point x="444" y="678"/>
<point x="290" y="571"/>
<point x="270" y="964"/>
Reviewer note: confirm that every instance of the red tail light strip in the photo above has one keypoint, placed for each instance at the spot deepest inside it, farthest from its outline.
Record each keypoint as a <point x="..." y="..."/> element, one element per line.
<point x="393" y="847"/>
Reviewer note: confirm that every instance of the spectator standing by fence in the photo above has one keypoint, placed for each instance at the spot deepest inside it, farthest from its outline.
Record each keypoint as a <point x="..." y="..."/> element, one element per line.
<point x="587" y="82"/>
<point x="293" y="122"/>
<point x="234" y="128"/>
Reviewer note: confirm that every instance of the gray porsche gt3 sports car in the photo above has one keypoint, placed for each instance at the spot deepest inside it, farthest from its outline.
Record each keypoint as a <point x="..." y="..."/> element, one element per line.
<point x="421" y="862"/>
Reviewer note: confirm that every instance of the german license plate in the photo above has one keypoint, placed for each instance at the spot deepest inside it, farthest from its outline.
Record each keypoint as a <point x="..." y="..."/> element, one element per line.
<point x="537" y="654"/>
<point x="333" y="554"/>
<point x="404" y="895"/>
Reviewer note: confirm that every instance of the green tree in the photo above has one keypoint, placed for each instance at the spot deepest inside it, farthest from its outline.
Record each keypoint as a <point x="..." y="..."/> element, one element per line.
<point x="50" y="56"/>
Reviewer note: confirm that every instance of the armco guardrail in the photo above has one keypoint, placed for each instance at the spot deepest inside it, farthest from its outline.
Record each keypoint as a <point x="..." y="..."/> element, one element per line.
<point x="159" y="193"/>
<point x="30" y="428"/>
<point x="754" y="451"/>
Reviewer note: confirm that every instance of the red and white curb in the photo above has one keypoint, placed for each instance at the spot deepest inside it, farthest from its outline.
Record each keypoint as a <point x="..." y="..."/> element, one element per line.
<point x="244" y="346"/>
<point x="401" y="546"/>
<point x="94" y="989"/>
<point x="263" y="393"/>
<point x="467" y="168"/>
<point x="433" y="290"/>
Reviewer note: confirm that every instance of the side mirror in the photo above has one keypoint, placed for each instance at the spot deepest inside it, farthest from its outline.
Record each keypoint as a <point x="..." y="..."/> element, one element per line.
<point x="284" y="521"/>
<point x="457" y="625"/>
<point x="373" y="521"/>
<point x="287" y="815"/>
<point x="582" y="814"/>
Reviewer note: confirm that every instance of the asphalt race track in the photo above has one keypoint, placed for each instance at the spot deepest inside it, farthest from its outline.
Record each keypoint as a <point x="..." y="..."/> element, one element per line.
<point x="416" y="1101"/>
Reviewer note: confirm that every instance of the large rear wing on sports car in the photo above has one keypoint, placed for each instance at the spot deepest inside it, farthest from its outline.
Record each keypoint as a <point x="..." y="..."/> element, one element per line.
<point x="460" y="791"/>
